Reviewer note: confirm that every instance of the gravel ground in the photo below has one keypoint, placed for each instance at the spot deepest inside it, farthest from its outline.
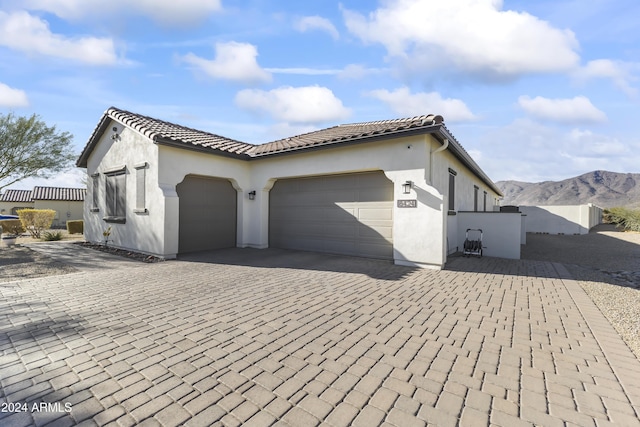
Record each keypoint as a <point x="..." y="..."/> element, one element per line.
<point x="606" y="262"/>
<point x="18" y="263"/>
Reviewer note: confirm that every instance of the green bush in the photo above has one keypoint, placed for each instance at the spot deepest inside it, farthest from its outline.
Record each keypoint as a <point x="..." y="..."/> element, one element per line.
<point x="628" y="219"/>
<point x="35" y="221"/>
<point x="12" y="226"/>
<point x="52" y="236"/>
<point x="75" y="227"/>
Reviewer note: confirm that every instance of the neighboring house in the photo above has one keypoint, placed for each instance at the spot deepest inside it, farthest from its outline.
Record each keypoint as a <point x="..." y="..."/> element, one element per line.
<point x="13" y="200"/>
<point x="383" y="189"/>
<point x="67" y="202"/>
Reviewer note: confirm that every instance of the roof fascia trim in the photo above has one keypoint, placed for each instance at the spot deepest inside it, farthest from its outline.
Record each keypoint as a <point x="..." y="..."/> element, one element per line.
<point x="465" y="159"/>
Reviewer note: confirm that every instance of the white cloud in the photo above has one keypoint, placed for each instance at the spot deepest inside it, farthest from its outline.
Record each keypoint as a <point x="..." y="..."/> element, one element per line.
<point x="166" y="12"/>
<point x="24" y="32"/>
<point x="357" y="71"/>
<point x="10" y="97"/>
<point x="403" y="102"/>
<point x="531" y="151"/>
<point x="234" y="61"/>
<point x="304" y="71"/>
<point x="620" y="73"/>
<point x="574" y="110"/>
<point x="308" y="104"/>
<point x="308" y="23"/>
<point x="470" y="37"/>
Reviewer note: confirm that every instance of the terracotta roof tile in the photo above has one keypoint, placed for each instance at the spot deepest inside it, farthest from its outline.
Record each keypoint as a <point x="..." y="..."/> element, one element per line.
<point x="159" y="130"/>
<point x="20" y="196"/>
<point x="59" y="193"/>
<point x="345" y="133"/>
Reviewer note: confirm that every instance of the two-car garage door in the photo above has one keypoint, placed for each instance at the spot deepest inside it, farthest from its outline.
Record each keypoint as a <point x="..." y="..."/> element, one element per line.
<point x="348" y="214"/>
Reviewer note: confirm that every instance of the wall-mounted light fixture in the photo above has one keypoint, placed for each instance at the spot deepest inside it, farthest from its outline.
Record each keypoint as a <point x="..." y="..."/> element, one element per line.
<point x="407" y="186"/>
<point x="115" y="136"/>
<point x="252" y="195"/>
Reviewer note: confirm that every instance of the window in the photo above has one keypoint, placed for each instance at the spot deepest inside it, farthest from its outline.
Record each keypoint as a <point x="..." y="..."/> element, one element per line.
<point x="141" y="176"/>
<point x="452" y="190"/>
<point x="115" y="206"/>
<point x="95" y="183"/>
<point x="475" y="198"/>
<point x="484" y="201"/>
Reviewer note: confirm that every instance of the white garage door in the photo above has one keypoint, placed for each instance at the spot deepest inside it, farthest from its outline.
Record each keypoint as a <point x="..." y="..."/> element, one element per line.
<point x="343" y="214"/>
<point x="207" y="214"/>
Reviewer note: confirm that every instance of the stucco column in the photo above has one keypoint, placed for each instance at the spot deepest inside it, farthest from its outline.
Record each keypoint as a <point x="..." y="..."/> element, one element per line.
<point x="418" y="229"/>
<point x="171" y="218"/>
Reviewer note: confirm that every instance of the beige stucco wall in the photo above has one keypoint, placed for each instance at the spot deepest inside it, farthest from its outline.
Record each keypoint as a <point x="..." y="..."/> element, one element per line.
<point x="562" y="219"/>
<point x="65" y="211"/>
<point x="6" y="208"/>
<point x="418" y="233"/>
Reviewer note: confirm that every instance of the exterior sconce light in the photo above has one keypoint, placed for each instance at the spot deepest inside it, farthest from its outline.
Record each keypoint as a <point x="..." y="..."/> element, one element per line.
<point x="407" y="186"/>
<point x="252" y="195"/>
<point x="115" y="136"/>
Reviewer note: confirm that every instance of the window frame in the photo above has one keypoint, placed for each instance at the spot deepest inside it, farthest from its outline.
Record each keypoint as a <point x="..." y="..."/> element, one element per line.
<point x="452" y="190"/>
<point x="141" y="188"/>
<point x="95" y="192"/>
<point x="116" y="190"/>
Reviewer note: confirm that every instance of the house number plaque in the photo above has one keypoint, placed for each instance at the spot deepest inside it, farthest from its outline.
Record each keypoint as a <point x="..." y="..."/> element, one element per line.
<point x="407" y="203"/>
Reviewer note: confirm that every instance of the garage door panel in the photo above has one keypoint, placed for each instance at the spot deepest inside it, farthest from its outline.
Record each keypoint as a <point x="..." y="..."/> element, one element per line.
<point x="207" y="218"/>
<point x="381" y="214"/>
<point x="344" y="214"/>
<point x="375" y="195"/>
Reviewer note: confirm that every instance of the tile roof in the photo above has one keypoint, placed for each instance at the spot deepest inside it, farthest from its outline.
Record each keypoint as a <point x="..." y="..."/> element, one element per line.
<point x="163" y="132"/>
<point x="346" y="133"/>
<point x="20" y="196"/>
<point x="59" y="194"/>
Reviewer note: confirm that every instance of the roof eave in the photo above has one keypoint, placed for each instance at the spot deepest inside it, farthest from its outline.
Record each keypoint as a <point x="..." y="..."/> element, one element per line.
<point x="212" y="151"/>
<point x="465" y="159"/>
<point x="93" y="140"/>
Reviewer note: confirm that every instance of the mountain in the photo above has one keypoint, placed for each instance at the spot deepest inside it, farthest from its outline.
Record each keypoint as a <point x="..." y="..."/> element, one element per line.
<point x="602" y="188"/>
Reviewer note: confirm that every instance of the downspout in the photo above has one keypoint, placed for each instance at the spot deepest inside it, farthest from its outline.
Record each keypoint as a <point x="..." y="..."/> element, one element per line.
<point x="443" y="147"/>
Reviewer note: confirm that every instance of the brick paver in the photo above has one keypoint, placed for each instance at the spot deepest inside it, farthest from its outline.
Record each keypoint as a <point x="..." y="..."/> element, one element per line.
<point x="248" y="337"/>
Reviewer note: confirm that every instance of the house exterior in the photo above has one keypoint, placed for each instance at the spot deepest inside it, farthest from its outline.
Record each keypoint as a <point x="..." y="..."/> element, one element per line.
<point x="13" y="200"/>
<point x="67" y="202"/>
<point x="385" y="189"/>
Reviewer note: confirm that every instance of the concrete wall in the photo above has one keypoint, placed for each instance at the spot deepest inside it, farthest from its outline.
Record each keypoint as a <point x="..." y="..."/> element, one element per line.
<point x="65" y="211"/>
<point x="566" y="219"/>
<point x="501" y="232"/>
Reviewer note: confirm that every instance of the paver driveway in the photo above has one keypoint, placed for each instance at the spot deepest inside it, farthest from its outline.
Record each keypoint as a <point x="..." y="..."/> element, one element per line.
<point x="255" y="338"/>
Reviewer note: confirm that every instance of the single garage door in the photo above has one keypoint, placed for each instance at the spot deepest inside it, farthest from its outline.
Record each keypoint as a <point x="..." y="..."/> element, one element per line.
<point x="207" y="214"/>
<point x="343" y="214"/>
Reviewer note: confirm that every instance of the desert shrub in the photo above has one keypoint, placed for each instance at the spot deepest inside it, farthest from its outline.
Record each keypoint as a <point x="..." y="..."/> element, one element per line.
<point x="12" y="226"/>
<point x="626" y="218"/>
<point x="52" y="236"/>
<point x="75" y="226"/>
<point x="35" y="221"/>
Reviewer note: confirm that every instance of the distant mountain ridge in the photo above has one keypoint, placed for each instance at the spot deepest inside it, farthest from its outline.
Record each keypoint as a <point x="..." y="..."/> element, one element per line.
<point x="602" y="188"/>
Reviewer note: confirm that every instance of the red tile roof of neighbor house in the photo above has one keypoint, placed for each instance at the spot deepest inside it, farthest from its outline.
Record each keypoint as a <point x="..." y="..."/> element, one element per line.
<point x="59" y="194"/>
<point x="20" y="196"/>
<point x="166" y="133"/>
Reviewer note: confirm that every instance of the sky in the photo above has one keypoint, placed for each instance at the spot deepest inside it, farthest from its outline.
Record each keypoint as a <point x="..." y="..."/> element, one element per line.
<point x="534" y="90"/>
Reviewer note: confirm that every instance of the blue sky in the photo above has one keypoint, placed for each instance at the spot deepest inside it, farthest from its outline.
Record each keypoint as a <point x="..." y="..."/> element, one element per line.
<point x="535" y="91"/>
